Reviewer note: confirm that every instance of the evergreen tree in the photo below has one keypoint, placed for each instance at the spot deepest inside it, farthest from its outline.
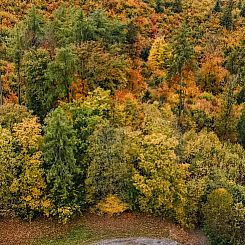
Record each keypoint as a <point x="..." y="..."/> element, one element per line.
<point x="242" y="12"/>
<point x="62" y="71"/>
<point x="78" y="27"/>
<point x="226" y="122"/>
<point x="182" y="55"/>
<point x="177" y="6"/>
<point x="227" y="18"/>
<point x="159" y="8"/>
<point x="16" y="46"/>
<point x="60" y="163"/>
<point x="33" y="25"/>
<point x="217" y="7"/>
<point x="39" y="92"/>
<point x="241" y="128"/>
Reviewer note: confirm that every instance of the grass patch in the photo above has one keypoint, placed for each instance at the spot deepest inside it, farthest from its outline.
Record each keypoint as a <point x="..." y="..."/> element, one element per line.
<point x="78" y="235"/>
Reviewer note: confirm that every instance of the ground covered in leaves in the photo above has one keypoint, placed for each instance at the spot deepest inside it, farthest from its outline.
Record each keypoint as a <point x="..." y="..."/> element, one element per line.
<point x="91" y="228"/>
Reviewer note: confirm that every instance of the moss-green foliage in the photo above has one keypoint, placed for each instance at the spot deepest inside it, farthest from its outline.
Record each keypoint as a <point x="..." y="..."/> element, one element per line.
<point x="224" y="220"/>
<point x="110" y="168"/>
<point x="60" y="165"/>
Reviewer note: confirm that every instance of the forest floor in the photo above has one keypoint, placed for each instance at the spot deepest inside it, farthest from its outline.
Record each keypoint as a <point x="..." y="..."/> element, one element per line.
<point x="91" y="227"/>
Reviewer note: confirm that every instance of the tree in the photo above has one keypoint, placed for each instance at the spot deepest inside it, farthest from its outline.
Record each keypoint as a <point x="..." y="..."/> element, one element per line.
<point x="182" y="56"/>
<point x="10" y="114"/>
<point x="241" y="128"/>
<point x="226" y="122"/>
<point x="28" y="185"/>
<point x="40" y="93"/>
<point x="62" y="71"/>
<point x="8" y="167"/>
<point x="159" y="179"/>
<point x="16" y="45"/>
<point x="159" y="8"/>
<point x="60" y="165"/>
<point x="110" y="168"/>
<point x="177" y="6"/>
<point x="33" y="25"/>
<point x="160" y="57"/>
<point x="227" y="18"/>
<point x="217" y="7"/>
<point x="242" y="12"/>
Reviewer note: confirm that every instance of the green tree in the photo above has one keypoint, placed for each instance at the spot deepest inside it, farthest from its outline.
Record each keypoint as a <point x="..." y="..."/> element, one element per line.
<point x="159" y="8"/>
<point x="110" y="168"/>
<point x="217" y="7"/>
<point x="16" y="46"/>
<point x="226" y="122"/>
<point x="60" y="165"/>
<point x="227" y="18"/>
<point x="62" y="71"/>
<point x="242" y="12"/>
<point x="33" y="25"/>
<point x="241" y="128"/>
<point x="183" y="53"/>
<point x="40" y="93"/>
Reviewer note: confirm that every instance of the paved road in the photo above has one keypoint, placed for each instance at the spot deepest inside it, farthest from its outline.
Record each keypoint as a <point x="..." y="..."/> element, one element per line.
<point x="137" y="241"/>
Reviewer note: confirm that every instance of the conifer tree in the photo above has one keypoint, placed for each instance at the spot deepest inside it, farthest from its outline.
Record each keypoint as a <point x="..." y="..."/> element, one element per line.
<point x="217" y="7"/>
<point x="241" y="128"/>
<point x="159" y="8"/>
<point x="62" y="70"/>
<point x="182" y="55"/>
<point x="227" y="18"/>
<point x="60" y="163"/>
<point x="242" y="12"/>
<point x="16" y="45"/>
<point x="39" y="92"/>
<point x="33" y="29"/>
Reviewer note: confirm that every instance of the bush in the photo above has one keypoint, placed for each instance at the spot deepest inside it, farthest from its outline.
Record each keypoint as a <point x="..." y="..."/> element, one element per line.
<point x="112" y="205"/>
<point x="224" y="220"/>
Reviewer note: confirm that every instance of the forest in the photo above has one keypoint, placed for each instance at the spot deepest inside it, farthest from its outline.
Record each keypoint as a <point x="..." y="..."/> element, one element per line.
<point x="124" y="105"/>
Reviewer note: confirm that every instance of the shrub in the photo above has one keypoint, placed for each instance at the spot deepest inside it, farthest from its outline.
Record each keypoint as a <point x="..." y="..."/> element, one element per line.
<point x="112" y="205"/>
<point x="219" y="216"/>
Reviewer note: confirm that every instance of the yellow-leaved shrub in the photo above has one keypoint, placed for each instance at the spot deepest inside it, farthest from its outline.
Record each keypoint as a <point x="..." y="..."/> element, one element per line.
<point x="112" y="205"/>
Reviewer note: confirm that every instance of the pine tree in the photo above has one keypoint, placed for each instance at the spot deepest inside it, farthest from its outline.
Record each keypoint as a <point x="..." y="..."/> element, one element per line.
<point x="177" y="6"/>
<point x="159" y="8"/>
<point x="16" y="45"/>
<point x="227" y="18"/>
<point x="217" y="7"/>
<point x="62" y="71"/>
<point x="182" y="55"/>
<point x="242" y="12"/>
<point x="60" y="163"/>
<point x="39" y="92"/>
<point x="33" y="29"/>
<point x="241" y="128"/>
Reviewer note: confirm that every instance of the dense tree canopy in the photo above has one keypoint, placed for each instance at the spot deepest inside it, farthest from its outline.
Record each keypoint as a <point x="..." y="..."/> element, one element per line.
<point x="137" y="104"/>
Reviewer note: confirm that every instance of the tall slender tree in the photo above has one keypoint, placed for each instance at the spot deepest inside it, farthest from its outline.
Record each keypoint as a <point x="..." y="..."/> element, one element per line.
<point x="60" y="163"/>
<point x="40" y="93"/>
<point x="217" y="7"/>
<point x="227" y="18"/>
<point x="62" y="71"/>
<point x="182" y="55"/>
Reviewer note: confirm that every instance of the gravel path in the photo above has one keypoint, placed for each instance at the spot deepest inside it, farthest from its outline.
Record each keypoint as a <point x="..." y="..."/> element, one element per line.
<point x="137" y="241"/>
